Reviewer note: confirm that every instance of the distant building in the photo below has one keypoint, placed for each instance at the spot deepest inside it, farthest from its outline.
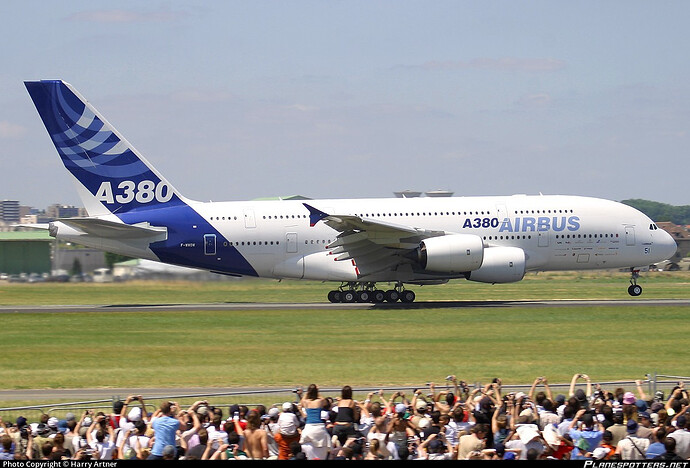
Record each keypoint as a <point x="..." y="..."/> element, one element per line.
<point x="439" y="193"/>
<point x="62" y="211"/>
<point x="9" y="211"/>
<point x="407" y="194"/>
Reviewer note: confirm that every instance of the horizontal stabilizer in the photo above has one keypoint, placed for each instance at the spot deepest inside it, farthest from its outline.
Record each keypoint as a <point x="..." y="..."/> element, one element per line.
<point x="112" y="230"/>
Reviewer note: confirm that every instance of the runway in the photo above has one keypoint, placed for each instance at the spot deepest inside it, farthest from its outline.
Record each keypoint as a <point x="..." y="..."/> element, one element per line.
<point x="230" y="306"/>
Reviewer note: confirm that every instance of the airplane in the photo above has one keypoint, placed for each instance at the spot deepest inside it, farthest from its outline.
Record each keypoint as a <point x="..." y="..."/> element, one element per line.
<point x="133" y="210"/>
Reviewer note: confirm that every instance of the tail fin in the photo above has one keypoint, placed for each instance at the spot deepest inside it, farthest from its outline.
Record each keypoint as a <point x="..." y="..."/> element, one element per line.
<point x="112" y="176"/>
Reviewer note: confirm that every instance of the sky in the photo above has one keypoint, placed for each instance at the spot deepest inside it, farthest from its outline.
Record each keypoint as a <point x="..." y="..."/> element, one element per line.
<point x="235" y="100"/>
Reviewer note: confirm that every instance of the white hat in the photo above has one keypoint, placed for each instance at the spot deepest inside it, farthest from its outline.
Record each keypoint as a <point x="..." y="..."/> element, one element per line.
<point x="600" y="452"/>
<point x="400" y="408"/>
<point x="527" y="432"/>
<point x="273" y="412"/>
<point x="134" y="414"/>
<point x="53" y="423"/>
<point x="424" y="423"/>
<point x="287" y="406"/>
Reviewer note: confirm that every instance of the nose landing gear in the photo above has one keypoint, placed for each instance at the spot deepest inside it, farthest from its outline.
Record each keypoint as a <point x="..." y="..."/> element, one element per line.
<point x="634" y="289"/>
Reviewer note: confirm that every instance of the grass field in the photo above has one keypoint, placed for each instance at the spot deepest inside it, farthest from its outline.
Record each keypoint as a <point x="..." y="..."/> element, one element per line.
<point x="333" y="347"/>
<point x="561" y="285"/>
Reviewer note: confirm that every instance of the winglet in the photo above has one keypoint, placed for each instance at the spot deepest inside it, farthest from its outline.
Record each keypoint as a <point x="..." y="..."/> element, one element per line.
<point x="315" y="215"/>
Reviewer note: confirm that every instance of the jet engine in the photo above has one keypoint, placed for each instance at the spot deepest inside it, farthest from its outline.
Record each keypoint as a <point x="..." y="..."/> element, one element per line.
<point x="455" y="253"/>
<point x="501" y="265"/>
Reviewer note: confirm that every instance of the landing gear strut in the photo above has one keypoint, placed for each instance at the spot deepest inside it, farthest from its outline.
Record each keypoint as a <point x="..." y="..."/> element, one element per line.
<point x="367" y="292"/>
<point x="634" y="289"/>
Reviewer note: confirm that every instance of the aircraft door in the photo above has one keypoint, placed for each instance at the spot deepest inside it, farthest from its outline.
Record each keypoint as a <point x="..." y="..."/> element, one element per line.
<point x="209" y="244"/>
<point x="291" y="238"/>
<point x="543" y="239"/>
<point x="629" y="235"/>
<point x="249" y="219"/>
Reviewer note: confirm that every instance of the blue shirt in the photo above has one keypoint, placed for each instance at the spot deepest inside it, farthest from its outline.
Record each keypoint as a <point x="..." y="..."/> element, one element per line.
<point x="654" y="450"/>
<point x="164" y="428"/>
<point x="592" y="438"/>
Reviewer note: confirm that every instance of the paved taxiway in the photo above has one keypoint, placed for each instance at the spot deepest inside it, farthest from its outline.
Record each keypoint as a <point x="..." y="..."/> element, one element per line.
<point x="327" y="306"/>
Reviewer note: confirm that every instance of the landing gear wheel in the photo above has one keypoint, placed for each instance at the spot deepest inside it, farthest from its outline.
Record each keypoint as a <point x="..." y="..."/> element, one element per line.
<point x="635" y="290"/>
<point x="407" y="296"/>
<point x="334" y="296"/>
<point x="392" y="295"/>
<point x="378" y="296"/>
<point x="348" y="296"/>
<point x="363" y="296"/>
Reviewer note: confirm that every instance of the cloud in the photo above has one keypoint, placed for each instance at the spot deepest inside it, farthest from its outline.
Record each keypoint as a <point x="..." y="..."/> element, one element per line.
<point x="163" y="14"/>
<point x="507" y="64"/>
<point x="10" y="130"/>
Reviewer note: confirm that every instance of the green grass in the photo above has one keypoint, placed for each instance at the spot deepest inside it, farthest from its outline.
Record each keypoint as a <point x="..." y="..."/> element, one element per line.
<point x="382" y="347"/>
<point x="359" y="347"/>
<point x="564" y="285"/>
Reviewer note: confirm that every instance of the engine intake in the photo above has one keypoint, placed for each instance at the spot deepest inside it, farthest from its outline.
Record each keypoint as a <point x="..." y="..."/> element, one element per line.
<point x="456" y="253"/>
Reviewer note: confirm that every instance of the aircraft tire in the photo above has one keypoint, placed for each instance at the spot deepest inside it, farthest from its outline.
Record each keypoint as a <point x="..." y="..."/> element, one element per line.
<point x="378" y="296"/>
<point x="635" y="290"/>
<point x="348" y="296"/>
<point x="392" y="295"/>
<point x="363" y="296"/>
<point x="334" y="296"/>
<point x="407" y="297"/>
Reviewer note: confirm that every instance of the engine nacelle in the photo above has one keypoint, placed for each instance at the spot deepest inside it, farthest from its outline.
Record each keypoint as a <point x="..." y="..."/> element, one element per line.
<point x="456" y="253"/>
<point x="501" y="265"/>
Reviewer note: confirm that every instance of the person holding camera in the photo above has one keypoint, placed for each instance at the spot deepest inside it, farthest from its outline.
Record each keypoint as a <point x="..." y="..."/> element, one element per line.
<point x="101" y="438"/>
<point x="315" y="439"/>
<point x="165" y="426"/>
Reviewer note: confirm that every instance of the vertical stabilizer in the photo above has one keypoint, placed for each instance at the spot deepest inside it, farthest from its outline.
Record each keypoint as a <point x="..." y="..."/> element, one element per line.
<point x="112" y="176"/>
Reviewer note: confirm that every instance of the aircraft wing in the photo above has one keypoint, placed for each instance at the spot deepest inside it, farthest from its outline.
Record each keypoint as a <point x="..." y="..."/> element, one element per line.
<point x="112" y="230"/>
<point x="374" y="245"/>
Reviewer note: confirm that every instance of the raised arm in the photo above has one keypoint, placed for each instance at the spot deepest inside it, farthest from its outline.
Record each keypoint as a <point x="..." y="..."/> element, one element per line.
<point x="547" y="389"/>
<point x="571" y="390"/>
<point x="640" y="391"/>
<point x="536" y="382"/>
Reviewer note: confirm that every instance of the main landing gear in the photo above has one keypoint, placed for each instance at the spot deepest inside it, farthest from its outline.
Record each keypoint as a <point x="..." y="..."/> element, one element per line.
<point x="367" y="292"/>
<point x="634" y="289"/>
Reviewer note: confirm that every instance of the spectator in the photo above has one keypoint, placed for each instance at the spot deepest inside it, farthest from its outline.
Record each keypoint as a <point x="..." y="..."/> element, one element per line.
<point x="681" y="436"/>
<point x="256" y="444"/>
<point x="347" y="413"/>
<point x="197" y="452"/>
<point x="587" y="437"/>
<point x="60" y="452"/>
<point x="632" y="447"/>
<point x="270" y="425"/>
<point x="315" y="440"/>
<point x="657" y="447"/>
<point x="618" y="430"/>
<point x="670" y="453"/>
<point x="474" y="442"/>
<point x="165" y="426"/>
<point x="288" y="425"/>
<point x="101" y="438"/>
<point x="6" y="447"/>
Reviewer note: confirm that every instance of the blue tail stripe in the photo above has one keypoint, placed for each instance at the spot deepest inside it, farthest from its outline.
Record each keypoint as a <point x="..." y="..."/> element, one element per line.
<point x="95" y="154"/>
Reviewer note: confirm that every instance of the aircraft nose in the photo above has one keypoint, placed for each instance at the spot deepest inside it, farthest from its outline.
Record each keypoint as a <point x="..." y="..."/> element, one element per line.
<point x="666" y="245"/>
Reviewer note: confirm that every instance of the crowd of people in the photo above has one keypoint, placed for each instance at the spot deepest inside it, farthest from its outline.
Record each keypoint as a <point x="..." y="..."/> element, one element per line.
<point x="458" y="422"/>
